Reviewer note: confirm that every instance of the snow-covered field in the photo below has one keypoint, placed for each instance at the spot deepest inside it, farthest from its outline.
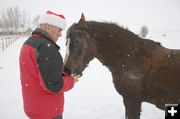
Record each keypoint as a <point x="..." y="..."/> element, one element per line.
<point x="93" y="97"/>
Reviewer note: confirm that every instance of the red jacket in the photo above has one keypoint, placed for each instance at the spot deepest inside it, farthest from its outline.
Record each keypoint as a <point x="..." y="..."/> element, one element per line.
<point x="42" y="78"/>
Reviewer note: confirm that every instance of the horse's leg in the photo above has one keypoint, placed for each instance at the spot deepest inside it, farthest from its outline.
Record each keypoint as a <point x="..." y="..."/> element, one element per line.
<point x="132" y="108"/>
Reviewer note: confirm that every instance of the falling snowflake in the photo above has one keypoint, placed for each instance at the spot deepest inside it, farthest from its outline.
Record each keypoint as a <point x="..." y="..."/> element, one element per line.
<point x="26" y="85"/>
<point x="49" y="45"/>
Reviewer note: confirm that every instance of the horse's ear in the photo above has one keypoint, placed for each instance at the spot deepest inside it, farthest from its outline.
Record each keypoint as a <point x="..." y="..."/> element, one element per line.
<point x="82" y="21"/>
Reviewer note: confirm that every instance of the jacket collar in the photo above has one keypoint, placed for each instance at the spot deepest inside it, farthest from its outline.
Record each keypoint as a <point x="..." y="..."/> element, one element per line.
<point x="41" y="33"/>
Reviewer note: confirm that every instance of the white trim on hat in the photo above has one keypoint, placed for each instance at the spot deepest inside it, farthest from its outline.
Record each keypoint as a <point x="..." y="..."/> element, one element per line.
<point x="54" y="20"/>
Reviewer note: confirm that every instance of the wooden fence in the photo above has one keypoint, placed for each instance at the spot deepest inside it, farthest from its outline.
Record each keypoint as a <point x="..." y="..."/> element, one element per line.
<point x="7" y="41"/>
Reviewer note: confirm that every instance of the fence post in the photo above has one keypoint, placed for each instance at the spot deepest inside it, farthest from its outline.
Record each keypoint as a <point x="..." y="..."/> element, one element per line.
<point x="6" y="43"/>
<point x="3" y="44"/>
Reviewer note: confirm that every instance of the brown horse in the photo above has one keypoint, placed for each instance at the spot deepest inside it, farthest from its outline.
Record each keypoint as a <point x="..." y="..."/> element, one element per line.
<point x="142" y="69"/>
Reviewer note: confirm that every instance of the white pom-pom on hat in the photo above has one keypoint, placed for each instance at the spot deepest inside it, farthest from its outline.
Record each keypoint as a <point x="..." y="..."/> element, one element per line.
<point x="53" y="19"/>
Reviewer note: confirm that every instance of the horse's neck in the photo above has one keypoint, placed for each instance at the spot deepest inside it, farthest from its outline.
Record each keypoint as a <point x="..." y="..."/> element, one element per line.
<point x="108" y="46"/>
<point x="118" y="49"/>
<point x="109" y="51"/>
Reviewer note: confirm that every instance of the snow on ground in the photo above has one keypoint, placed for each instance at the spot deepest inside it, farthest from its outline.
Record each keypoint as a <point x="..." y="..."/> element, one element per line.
<point x="10" y="88"/>
<point x="93" y="97"/>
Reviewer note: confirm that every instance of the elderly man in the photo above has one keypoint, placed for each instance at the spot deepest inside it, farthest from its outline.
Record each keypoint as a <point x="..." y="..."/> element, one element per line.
<point x="42" y="76"/>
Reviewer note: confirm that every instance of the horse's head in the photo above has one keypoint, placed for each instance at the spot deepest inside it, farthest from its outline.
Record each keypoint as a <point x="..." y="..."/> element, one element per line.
<point x="81" y="48"/>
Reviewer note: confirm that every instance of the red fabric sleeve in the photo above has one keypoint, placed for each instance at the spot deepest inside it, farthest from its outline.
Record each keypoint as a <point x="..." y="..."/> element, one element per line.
<point x="68" y="82"/>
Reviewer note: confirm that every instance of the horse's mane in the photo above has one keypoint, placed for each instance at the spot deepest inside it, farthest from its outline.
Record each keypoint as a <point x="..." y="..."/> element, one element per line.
<point x="122" y="40"/>
<point x="103" y="26"/>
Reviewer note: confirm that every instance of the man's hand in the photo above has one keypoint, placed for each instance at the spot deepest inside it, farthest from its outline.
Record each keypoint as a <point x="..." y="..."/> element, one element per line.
<point x="76" y="78"/>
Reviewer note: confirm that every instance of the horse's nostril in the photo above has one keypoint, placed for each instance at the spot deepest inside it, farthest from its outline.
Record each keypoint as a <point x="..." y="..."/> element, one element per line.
<point x="66" y="70"/>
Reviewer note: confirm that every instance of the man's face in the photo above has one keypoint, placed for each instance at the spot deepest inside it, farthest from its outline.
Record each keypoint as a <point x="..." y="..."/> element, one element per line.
<point x="55" y="32"/>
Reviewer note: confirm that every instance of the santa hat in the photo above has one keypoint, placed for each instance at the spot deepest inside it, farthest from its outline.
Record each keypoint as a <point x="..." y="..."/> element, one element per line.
<point x="53" y="19"/>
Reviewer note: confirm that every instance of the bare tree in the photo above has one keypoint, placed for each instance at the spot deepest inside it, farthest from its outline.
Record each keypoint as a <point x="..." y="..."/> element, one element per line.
<point x="10" y="17"/>
<point x="1" y="24"/>
<point x="35" y="21"/>
<point x="24" y="17"/>
<point x="13" y="18"/>
<point x="4" y="20"/>
<point x="16" y="16"/>
<point x="144" y="31"/>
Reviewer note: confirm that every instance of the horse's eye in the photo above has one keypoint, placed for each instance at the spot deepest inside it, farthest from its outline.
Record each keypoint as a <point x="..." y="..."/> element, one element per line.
<point x="76" y="48"/>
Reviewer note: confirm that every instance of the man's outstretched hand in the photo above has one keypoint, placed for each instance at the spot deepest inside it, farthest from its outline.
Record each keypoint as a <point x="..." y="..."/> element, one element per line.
<point x="76" y="78"/>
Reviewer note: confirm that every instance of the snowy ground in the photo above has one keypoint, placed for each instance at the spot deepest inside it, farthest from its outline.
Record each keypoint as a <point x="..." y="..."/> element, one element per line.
<point x="93" y="97"/>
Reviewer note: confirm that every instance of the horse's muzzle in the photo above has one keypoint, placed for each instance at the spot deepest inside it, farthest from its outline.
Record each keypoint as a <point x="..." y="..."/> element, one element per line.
<point x="68" y="71"/>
